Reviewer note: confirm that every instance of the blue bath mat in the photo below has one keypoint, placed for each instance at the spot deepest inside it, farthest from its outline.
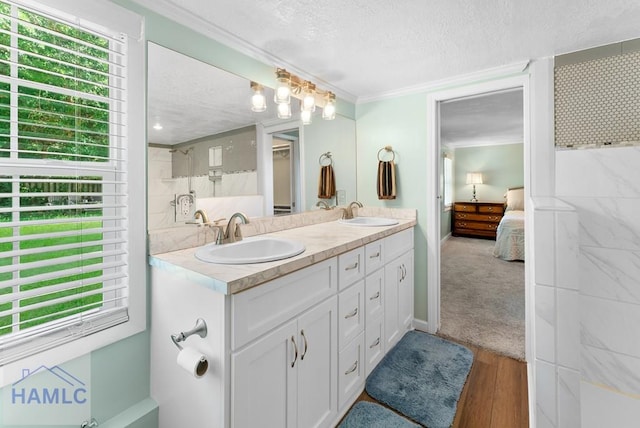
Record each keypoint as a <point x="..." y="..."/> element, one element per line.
<point x="365" y="414"/>
<point x="422" y="378"/>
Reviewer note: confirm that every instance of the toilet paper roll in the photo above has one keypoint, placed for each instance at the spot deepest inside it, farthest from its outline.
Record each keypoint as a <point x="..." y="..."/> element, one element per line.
<point x="193" y="361"/>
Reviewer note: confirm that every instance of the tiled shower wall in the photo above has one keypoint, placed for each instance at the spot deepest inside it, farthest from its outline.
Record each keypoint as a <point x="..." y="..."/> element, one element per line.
<point x="587" y="346"/>
<point x="604" y="187"/>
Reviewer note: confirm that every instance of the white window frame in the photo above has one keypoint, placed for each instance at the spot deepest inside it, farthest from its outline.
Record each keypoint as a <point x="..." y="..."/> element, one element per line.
<point x="114" y="18"/>
<point x="447" y="182"/>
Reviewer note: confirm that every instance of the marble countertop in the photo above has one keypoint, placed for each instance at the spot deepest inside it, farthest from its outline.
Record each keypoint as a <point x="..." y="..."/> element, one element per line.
<point x="322" y="241"/>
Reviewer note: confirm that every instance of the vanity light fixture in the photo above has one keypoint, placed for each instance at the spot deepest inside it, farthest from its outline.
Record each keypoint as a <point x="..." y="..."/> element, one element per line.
<point x="305" y="116"/>
<point x="284" y="111"/>
<point x="329" y="110"/>
<point x="288" y="85"/>
<point x="308" y="97"/>
<point x="258" y="100"/>
<point x="283" y="87"/>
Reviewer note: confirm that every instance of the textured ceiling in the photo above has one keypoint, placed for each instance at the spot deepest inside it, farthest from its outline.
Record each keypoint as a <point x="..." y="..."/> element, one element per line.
<point x="495" y="118"/>
<point x="368" y="48"/>
<point x="191" y="99"/>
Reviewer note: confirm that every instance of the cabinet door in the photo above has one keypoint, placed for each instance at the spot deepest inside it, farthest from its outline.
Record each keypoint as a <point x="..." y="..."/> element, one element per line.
<point x="264" y="377"/>
<point x="350" y="313"/>
<point x="318" y="365"/>
<point x="392" y="275"/>
<point x="405" y="292"/>
<point x="374" y="296"/>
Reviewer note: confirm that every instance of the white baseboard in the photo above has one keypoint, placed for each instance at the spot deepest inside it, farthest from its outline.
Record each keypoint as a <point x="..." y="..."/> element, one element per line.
<point x="446" y="237"/>
<point x="421" y="325"/>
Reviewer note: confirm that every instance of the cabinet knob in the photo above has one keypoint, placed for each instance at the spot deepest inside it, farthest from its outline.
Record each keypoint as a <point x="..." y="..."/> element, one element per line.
<point x="351" y="314"/>
<point x="304" y="352"/>
<point x="295" y="350"/>
<point x="376" y="255"/>
<point x="353" y="368"/>
<point x="375" y="343"/>
<point x="351" y="267"/>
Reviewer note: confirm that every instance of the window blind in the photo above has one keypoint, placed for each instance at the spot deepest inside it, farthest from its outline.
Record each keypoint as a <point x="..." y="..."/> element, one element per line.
<point x="63" y="182"/>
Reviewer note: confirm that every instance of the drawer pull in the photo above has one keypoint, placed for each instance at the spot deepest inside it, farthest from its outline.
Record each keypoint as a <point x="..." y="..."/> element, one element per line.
<point x="374" y="256"/>
<point x="305" y="345"/>
<point x="351" y="314"/>
<point x="375" y="296"/>
<point x="374" y="344"/>
<point x="295" y="349"/>
<point x="353" y="368"/>
<point x="353" y="266"/>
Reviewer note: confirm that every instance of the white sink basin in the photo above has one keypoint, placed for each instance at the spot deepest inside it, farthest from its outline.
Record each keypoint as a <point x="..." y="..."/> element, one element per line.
<point x="250" y="250"/>
<point x="369" y="221"/>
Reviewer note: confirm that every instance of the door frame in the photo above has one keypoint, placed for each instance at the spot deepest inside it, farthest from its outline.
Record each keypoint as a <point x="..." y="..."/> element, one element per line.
<point x="434" y="196"/>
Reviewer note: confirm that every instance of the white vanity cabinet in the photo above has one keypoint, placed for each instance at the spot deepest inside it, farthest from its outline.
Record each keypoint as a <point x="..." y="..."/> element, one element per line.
<point x="288" y="378"/>
<point x="292" y="352"/>
<point x="398" y="286"/>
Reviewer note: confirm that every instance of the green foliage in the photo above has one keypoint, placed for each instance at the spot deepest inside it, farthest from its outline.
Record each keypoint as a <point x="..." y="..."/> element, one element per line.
<point x="53" y="122"/>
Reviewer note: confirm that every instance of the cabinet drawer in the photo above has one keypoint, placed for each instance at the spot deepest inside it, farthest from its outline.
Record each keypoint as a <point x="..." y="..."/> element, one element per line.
<point x="350" y="313"/>
<point x="475" y="225"/>
<point x="397" y="244"/>
<point x="494" y="209"/>
<point x="373" y="295"/>
<point x="471" y="208"/>
<point x="374" y="256"/>
<point x="350" y="267"/>
<point x="373" y="344"/>
<point x="261" y="308"/>
<point x="478" y="217"/>
<point x="351" y="371"/>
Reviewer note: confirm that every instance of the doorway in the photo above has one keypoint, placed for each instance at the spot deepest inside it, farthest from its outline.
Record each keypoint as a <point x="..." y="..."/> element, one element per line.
<point x="434" y="192"/>
<point x="284" y="173"/>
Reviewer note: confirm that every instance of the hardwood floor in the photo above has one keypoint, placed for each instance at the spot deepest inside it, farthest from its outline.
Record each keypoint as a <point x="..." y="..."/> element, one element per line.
<point x="495" y="395"/>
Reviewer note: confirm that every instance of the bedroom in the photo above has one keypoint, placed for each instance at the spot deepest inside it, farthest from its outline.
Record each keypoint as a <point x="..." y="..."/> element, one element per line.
<point x="482" y="279"/>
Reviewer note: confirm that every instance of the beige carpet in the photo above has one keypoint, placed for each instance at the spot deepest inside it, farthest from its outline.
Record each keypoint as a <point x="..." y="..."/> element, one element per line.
<point x="482" y="297"/>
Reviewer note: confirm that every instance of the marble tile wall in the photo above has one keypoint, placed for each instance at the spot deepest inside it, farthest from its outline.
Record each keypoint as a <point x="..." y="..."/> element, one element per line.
<point x="603" y="185"/>
<point x="557" y="328"/>
<point x="162" y="188"/>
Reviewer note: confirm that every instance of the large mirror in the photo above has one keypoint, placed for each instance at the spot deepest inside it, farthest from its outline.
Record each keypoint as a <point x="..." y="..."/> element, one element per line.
<point x="208" y="150"/>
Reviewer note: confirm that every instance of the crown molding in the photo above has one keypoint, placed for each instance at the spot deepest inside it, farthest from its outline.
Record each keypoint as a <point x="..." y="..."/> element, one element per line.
<point x="458" y="80"/>
<point x="174" y="12"/>
<point x="467" y="144"/>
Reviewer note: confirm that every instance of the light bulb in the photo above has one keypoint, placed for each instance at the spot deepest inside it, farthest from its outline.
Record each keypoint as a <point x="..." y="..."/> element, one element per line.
<point x="284" y="111"/>
<point x="329" y="110"/>
<point x="282" y="93"/>
<point x="309" y="98"/>
<point x="305" y="116"/>
<point x="258" y="100"/>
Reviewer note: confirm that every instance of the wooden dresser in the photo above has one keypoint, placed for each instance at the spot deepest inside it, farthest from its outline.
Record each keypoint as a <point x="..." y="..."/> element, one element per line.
<point x="477" y="219"/>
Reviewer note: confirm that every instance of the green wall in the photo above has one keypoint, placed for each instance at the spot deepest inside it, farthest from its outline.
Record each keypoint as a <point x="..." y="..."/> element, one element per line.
<point x="400" y="123"/>
<point x="501" y="166"/>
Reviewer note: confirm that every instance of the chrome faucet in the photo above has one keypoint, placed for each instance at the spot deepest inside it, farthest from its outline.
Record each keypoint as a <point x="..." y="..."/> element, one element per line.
<point x="348" y="212"/>
<point x="233" y="232"/>
<point x="323" y="205"/>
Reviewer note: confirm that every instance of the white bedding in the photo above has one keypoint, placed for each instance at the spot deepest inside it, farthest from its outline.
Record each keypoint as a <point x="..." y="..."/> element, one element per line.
<point x="510" y="236"/>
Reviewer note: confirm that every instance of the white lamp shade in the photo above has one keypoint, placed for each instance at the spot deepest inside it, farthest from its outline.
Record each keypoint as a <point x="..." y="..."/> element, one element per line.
<point x="474" y="178"/>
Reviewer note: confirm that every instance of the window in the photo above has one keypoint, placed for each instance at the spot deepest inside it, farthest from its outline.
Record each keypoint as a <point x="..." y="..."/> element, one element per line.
<point x="447" y="176"/>
<point x="63" y="184"/>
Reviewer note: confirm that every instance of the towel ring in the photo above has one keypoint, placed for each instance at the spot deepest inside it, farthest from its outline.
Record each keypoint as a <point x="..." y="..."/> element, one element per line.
<point x="324" y="157"/>
<point x="388" y="149"/>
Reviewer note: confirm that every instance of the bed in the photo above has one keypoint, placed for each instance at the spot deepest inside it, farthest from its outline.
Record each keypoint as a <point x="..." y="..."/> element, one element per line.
<point x="510" y="233"/>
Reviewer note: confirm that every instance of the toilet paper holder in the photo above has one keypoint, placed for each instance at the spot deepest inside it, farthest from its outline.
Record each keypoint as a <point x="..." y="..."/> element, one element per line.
<point x="200" y="329"/>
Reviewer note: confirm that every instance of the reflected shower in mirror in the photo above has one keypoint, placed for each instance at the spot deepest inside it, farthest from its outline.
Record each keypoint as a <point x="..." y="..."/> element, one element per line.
<point x="205" y="141"/>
